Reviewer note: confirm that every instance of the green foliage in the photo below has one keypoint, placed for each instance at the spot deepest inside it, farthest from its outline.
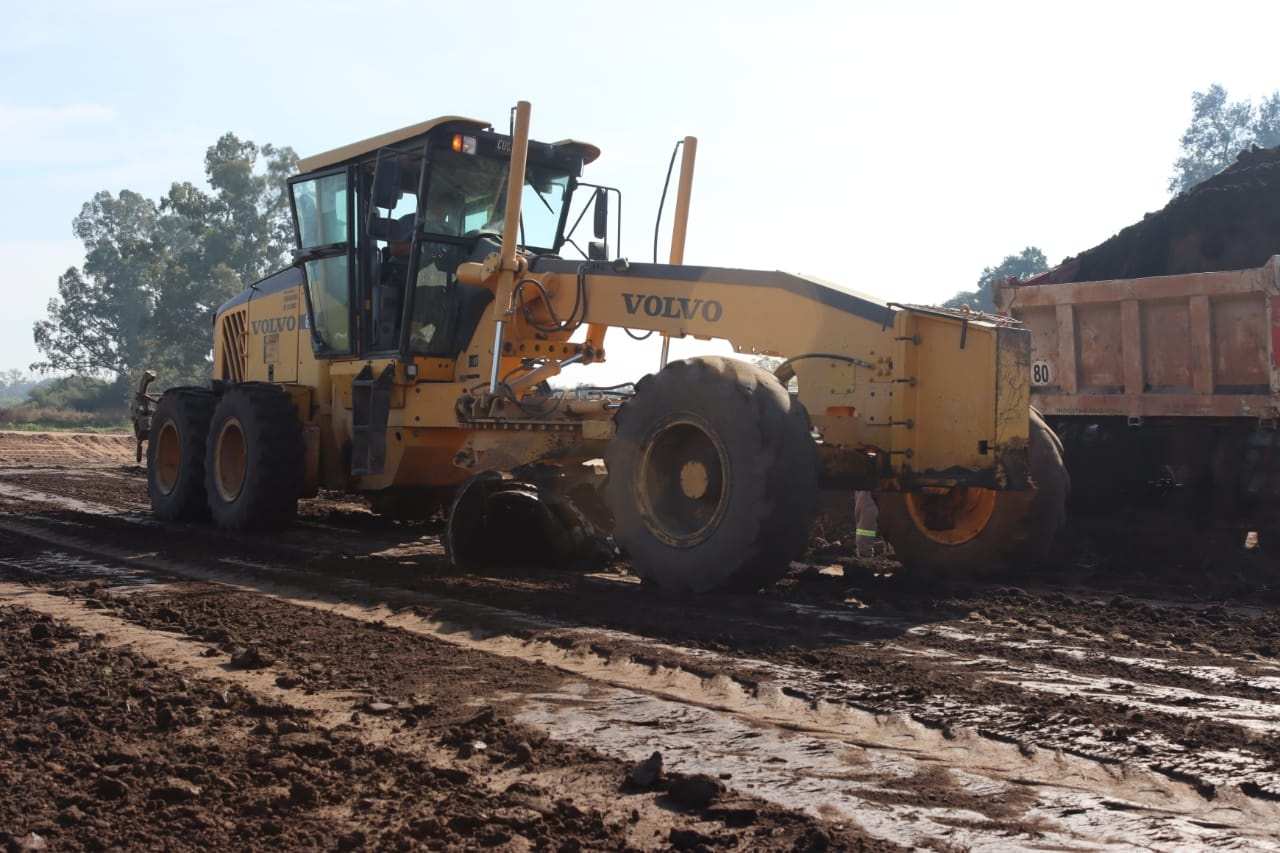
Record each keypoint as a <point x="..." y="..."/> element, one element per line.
<point x="1030" y="261"/>
<point x="15" y="385"/>
<point x="1266" y="123"/>
<point x="1219" y="130"/>
<point x="155" y="272"/>
<point x="66" y="402"/>
<point x="36" y="419"/>
<point x="80" y="394"/>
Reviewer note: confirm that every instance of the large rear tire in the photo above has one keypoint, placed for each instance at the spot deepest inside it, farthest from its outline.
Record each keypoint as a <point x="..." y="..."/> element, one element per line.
<point x="254" y="458"/>
<point x="175" y="454"/>
<point x="713" y="477"/>
<point x="977" y="532"/>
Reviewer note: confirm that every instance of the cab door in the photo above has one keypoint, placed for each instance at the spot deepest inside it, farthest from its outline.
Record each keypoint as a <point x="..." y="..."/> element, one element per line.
<point x="322" y="207"/>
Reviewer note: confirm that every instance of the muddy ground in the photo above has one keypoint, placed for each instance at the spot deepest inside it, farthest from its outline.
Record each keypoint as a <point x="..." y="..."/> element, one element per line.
<point x="338" y="686"/>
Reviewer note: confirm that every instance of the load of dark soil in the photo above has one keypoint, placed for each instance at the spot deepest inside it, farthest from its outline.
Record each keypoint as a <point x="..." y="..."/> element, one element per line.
<point x="1228" y="222"/>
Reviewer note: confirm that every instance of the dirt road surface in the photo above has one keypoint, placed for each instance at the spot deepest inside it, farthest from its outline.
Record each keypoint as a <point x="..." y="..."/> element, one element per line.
<point x="338" y="686"/>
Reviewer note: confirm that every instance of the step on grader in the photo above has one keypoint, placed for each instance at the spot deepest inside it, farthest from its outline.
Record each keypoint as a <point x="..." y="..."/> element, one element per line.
<point x="405" y="355"/>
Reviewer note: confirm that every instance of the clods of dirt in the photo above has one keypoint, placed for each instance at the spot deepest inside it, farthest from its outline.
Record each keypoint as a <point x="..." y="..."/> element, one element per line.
<point x="250" y="658"/>
<point x="82" y="769"/>
<point x="258" y="771"/>
<point x="647" y="773"/>
<point x="695" y="791"/>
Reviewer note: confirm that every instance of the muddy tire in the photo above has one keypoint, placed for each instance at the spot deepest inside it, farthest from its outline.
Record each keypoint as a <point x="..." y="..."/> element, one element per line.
<point x="713" y="477"/>
<point x="1019" y="530"/>
<point x="176" y="452"/>
<point x="254" y="458"/>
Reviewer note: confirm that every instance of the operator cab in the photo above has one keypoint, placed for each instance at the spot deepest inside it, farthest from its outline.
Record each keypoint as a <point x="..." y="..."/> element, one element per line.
<point x="382" y="226"/>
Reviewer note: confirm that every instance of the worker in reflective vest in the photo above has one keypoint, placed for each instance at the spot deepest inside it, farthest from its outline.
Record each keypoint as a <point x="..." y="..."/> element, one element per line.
<point x="866" y="516"/>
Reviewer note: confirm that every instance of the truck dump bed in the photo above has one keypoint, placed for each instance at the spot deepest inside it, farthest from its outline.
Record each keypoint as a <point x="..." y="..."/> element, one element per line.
<point x="1194" y="345"/>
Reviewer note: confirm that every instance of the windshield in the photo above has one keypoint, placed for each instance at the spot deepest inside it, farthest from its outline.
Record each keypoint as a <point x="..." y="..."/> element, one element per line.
<point x="467" y="195"/>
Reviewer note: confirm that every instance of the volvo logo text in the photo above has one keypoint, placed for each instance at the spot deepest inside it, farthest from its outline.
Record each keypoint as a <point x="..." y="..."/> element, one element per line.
<point x="673" y="307"/>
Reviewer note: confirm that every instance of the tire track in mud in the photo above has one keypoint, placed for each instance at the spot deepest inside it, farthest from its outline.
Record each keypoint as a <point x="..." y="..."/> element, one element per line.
<point x="308" y="538"/>
<point x="1102" y="726"/>
<point x="1257" y="678"/>
<point x="828" y="678"/>
<point x="508" y="794"/>
<point x="1073" y="797"/>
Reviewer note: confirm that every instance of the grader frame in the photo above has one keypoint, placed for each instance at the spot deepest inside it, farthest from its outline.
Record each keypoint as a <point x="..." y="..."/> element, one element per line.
<point x="918" y="402"/>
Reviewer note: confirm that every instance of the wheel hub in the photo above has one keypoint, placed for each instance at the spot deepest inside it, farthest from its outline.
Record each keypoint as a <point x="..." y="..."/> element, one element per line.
<point x="694" y="480"/>
<point x="683" y="487"/>
<point x="952" y="516"/>
<point x="168" y="458"/>
<point x="231" y="460"/>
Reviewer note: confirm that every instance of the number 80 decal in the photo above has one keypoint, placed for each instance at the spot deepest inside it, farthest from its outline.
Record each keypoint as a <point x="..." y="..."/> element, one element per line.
<point x="1041" y="373"/>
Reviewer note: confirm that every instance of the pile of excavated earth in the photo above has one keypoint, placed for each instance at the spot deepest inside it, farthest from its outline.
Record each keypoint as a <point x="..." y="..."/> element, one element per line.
<point x="1230" y="221"/>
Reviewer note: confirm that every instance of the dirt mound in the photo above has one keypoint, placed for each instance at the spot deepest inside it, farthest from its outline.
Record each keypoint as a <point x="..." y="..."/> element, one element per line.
<point x="1228" y="222"/>
<point x="64" y="449"/>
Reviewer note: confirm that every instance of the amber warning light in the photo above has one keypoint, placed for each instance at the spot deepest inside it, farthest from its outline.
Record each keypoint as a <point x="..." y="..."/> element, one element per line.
<point x="464" y="144"/>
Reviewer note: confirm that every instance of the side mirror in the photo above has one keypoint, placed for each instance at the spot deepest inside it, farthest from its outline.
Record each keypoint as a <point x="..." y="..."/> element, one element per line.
<point x="386" y="182"/>
<point x="602" y="213"/>
<point x="596" y="251"/>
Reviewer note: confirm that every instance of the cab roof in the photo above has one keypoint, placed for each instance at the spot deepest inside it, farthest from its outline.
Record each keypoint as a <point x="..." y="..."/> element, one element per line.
<point x="349" y="152"/>
<point x="343" y="153"/>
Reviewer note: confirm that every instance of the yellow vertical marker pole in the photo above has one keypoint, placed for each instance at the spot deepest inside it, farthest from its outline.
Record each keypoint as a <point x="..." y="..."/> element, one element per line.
<point x="510" y="236"/>
<point x="680" y="225"/>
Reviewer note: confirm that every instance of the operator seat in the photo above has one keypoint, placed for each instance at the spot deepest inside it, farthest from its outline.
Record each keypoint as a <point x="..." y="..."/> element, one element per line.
<point x="446" y="312"/>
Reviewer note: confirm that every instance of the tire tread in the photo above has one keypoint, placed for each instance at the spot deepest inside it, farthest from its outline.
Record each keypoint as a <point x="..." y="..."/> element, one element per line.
<point x="192" y="410"/>
<point x="274" y="479"/>
<point x="776" y="527"/>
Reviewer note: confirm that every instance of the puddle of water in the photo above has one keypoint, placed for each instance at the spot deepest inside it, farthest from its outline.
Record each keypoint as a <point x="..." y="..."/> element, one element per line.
<point x="11" y="490"/>
<point x="1219" y="674"/>
<point x="1254" y="714"/>
<point x="59" y="566"/>
<point x="838" y="779"/>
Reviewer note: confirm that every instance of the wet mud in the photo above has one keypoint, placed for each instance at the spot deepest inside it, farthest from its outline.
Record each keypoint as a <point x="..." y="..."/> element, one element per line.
<point x="849" y="705"/>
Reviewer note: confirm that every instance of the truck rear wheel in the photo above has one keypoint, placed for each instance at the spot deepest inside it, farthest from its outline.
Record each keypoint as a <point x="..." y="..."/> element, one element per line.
<point x="713" y="477"/>
<point x="175" y="454"/>
<point x="971" y="532"/>
<point x="254" y="458"/>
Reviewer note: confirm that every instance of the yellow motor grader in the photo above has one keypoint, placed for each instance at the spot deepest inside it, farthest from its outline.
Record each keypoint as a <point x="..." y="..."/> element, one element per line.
<point x="406" y="352"/>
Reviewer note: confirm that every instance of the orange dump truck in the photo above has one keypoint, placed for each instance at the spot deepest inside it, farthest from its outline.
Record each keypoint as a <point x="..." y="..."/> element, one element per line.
<point x="1165" y="390"/>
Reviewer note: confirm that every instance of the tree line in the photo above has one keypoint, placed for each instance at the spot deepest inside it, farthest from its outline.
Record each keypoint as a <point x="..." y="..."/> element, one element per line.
<point x="155" y="271"/>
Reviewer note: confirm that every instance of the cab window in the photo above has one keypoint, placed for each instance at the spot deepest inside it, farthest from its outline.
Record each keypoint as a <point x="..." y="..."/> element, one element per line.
<point x="388" y="187"/>
<point x="322" y="207"/>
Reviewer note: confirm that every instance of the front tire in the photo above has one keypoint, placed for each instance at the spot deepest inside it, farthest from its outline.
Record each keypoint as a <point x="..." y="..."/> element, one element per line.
<point x="176" y="454"/>
<point x="254" y="458"/>
<point x="971" y="533"/>
<point x="713" y="477"/>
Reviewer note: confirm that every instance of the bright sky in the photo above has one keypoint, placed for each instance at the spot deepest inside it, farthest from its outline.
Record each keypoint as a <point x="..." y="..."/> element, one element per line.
<point x="897" y="148"/>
